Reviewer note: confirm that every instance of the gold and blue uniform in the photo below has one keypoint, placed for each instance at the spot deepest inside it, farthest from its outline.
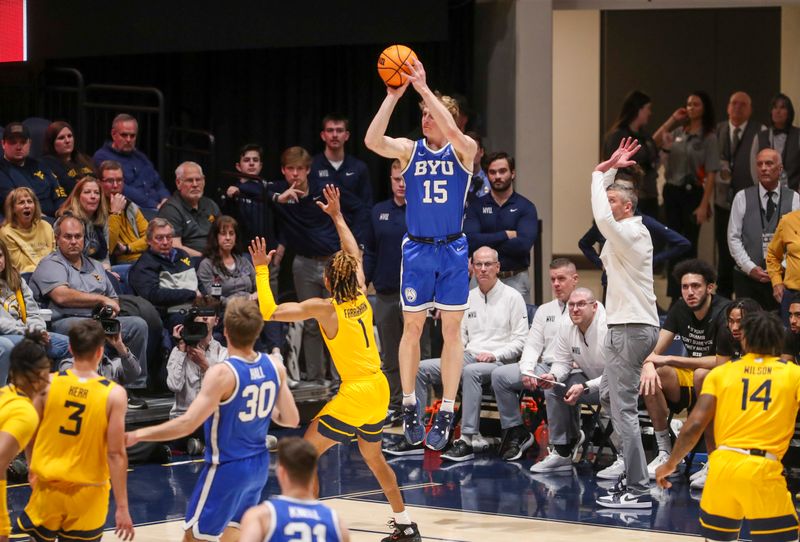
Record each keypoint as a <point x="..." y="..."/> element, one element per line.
<point x="18" y="418"/>
<point x="70" y="462"/>
<point x="363" y="398"/>
<point x="757" y="402"/>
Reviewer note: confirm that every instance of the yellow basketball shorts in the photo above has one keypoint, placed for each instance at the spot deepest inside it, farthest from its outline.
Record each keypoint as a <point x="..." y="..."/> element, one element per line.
<point x="358" y="409"/>
<point x="745" y="486"/>
<point x="72" y="513"/>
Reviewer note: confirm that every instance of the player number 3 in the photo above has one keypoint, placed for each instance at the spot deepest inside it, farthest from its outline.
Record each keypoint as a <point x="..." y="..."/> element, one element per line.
<point x="259" y="401"/>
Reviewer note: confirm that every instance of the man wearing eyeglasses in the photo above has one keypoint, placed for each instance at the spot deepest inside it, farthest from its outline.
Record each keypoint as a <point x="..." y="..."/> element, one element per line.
<point x="189" y="211"/>
<point x="164" y="274"/>
<point x="574" y="377"/>
<point x="127" y="226"/>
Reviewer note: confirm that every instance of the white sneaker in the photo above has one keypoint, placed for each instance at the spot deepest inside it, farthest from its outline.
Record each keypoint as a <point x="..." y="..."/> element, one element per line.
<point x="659" y="460"/>
<point x="698" y="479"/>
<point x="613" y="471"/>
<point x="702" y="472"/>
<point x="676" y="426"/>
<point x="553" y="463"/>
<point x="479" y="443"/>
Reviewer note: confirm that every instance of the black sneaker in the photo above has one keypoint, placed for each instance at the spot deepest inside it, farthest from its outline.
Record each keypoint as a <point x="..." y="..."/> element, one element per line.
<point x="459" y="451"/>
<point x="195" y="447"/>
<point x="394" y="417"/>
<point x="403" y="448"/>
<point x="403" y="533"/>
<point x="136" y="403"/>
<point x="518" y="444"/>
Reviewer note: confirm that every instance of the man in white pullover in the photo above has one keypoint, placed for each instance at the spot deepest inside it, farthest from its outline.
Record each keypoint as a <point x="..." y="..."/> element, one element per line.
<point x="631" y="317"/>
<point x="493" y="333"/>
<point x="537" y="357"/>
<point x="578" y="363"/>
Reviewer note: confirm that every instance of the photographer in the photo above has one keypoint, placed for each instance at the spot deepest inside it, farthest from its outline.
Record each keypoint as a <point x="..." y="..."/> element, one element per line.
<point x="196" y="351"/>
<point x="123" y="368"/>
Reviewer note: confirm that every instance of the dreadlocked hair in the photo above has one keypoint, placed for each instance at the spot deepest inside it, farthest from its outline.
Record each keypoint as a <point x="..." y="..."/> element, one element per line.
<point x="342" y="274"/>
<point x="28" y="357"/>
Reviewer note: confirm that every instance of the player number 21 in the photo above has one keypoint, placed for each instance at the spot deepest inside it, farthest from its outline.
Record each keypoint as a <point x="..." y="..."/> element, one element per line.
<point x="302" y="532"/>
<point x="259" y="401"/>
<point x="439" y="191"/>
<point x="760" y="395"/>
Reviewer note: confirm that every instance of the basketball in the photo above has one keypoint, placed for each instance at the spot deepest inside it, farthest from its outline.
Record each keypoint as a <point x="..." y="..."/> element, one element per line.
<point x="393" y="64"/>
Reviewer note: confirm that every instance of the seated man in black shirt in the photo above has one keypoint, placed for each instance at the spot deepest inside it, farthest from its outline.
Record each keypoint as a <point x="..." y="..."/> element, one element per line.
<point x="672" y="383"/>
<point x="791" y="349"/>
<point x="729" y="342"/>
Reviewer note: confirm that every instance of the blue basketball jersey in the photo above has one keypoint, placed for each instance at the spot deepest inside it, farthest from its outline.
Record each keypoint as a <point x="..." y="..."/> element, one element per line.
<point x="293" y="519"/>
<point x="238" y="427"/>
<point x="436" y="191"/>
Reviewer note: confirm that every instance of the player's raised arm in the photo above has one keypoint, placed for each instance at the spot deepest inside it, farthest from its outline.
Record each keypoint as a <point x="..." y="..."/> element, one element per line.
<point x="314" y="307"/>
<point x="464" y="145"/>
<point x="376" y="139"/>
<point x="332" y="207"/>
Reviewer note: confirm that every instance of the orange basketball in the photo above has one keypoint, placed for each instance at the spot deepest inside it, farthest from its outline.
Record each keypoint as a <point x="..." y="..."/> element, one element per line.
<point x="393" y="64"/>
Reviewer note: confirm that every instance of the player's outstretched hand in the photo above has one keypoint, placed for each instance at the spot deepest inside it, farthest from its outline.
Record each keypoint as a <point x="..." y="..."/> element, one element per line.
<point x="124" y="524"/>
<point x="398" y="91"/>
<point x="258" y="252"/>
<point x="332" y="206"/>
<point x="621" y="158"/>
<point x="662" y="473"/>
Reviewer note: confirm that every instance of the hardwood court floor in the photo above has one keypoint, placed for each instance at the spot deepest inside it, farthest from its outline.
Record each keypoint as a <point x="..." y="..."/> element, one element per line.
<point x="484" y="500"/>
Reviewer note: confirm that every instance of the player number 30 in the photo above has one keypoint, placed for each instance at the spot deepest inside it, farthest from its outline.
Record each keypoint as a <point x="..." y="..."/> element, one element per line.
<point x="259" y="401"/>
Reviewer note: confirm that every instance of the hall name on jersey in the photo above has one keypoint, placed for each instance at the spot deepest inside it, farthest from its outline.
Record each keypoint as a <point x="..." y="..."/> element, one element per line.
<point x="78" y="392"/>
<point x="355" y="312"/>
<point x="758" y="370"/>
<point x="257" y="373"/>
<point x="296" y="512"/>
<point x="433" y="167"/>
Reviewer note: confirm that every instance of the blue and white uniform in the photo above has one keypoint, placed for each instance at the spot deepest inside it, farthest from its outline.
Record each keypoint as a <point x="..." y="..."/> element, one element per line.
<point x="435" y="254"/>
<point x="236" y="459"/>
<point x="295" y="519"/>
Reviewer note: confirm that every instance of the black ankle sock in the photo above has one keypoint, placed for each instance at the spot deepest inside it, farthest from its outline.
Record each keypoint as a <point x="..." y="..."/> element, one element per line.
<point x="564" y="450"/>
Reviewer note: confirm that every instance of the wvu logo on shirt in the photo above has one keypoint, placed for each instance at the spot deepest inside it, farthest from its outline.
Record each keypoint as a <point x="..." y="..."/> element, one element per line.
<point x="97" y="277"/>
<point x="576" y="349"/>
<point x="472" y="314"/>
<point x="550" y="319"/>
<point x="60" y="193"/>
<point x="187" y="261"/>
<point x="211" y="218"/>
<point x="39" y="174"/>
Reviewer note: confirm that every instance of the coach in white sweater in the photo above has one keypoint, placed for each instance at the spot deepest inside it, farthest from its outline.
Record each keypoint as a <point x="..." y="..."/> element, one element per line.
<point x="493" y="332"/>
<point x="578" y="364"/>
<point x="630" y="313"/>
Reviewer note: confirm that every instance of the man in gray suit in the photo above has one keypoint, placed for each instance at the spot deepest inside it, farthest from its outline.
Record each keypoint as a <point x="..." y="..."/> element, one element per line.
<point x="735" y="137"/>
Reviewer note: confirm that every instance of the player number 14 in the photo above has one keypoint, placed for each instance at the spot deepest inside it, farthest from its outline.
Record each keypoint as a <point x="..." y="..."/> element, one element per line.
<point x="439" y="191"/>
<point x="760" y="395"/>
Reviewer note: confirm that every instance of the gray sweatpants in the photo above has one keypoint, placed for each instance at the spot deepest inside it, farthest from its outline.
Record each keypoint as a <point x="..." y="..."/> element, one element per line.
<point x="507" y="383"/>
<point x="308" y="283"/>
<point x="563" y="420"/>
<point x="627" y="346"/>
<point x="473" y="376"/>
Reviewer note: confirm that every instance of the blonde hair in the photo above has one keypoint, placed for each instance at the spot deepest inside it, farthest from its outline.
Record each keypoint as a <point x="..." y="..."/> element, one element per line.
<point x="243" y="322"/>
<point x="11" y="200"/>
<point x="447" y="101"/>
<point x="342" y="274"/>
<point x="73" y="204"/>
<point x="295" y="156"/>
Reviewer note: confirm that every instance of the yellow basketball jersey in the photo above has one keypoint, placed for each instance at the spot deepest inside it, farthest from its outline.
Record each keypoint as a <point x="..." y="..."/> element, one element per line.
<point x="71" y="445"/>
<point x="18" y="416"/>
<point x="353" y="349"/>
<point x="757" y="401"/>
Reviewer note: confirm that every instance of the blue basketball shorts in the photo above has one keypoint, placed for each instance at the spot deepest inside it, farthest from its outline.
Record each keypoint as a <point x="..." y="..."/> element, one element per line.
<point x="434" y="275"/>
<point x="223" y="494"/>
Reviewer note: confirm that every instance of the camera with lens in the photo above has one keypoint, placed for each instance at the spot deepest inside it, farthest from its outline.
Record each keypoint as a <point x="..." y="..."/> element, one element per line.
<point x="105" y="315"/>
<point x="193" y="330"/>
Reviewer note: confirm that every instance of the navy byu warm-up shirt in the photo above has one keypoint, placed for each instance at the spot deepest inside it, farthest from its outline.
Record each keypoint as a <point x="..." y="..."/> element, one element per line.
<point x="384" y="251"/>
